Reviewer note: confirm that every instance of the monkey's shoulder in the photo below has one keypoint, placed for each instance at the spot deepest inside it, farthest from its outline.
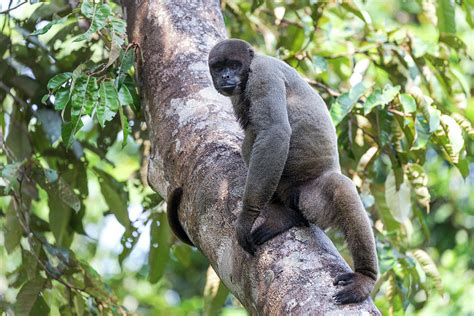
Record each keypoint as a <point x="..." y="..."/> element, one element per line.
<point x="265" y="71"/>
<point x="266" y="67"/>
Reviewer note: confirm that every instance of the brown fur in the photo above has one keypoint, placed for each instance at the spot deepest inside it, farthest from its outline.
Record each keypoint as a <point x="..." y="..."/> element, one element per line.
<point x="290" y="146"/>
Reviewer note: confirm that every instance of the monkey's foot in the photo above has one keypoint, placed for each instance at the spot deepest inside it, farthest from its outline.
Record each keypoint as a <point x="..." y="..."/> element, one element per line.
<point x="277" y="224"/>
<point x="245" y="241"/>
<point x="243" y="228"/>
<point x="357" y="287"/>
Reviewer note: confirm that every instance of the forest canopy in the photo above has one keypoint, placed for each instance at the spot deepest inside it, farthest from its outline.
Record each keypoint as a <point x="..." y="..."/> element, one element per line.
<point x="83" y="233"/>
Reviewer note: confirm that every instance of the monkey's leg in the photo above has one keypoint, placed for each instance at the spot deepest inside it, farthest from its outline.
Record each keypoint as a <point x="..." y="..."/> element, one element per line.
<point x="332" y="201"/>
<point x="278" y="219"/>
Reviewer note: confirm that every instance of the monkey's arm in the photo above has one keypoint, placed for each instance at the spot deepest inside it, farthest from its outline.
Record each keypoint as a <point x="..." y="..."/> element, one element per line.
<point x="270" y="125"/>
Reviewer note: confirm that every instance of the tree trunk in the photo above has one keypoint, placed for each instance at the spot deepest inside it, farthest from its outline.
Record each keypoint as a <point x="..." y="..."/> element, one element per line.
<point x="195" y="145"/>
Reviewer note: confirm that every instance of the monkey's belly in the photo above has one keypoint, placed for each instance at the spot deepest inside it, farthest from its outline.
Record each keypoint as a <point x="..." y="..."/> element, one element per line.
<point x="301" y="169"/>
<point x="312" y="152"/>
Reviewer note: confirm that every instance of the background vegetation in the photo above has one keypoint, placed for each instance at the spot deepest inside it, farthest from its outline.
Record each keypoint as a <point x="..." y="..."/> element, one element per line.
<point x="83" y="234"/>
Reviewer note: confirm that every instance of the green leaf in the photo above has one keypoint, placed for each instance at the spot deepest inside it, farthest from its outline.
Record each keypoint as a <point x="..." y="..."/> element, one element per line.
<point x="127" y="61"/>
<point x="372" y="101"/>
<point x="125" y="126"/>
<point x="389" y="93"/>
<point x="70" y="129"/>
<point x="12" y="229"/>
<point x="345" y="102"/>
<point x="115" y="50"/>
<point x="129" y="240"/>
<point x="40" y="308"/>
<point x="109" y="102"/>
<point x="27" y="296"/>
<point x="59" y="217"/>
<point x="215" y="293"/>
<point x="119" y="26"/>
<point x="18" y="140"/>
<point x="58" y="80"/>
<point x="48" y="26"/>
<point x="469" y="10"/>
<point x="463" y="167"/>
<point x="10" y="175"/>
<point x="78" y="96"/>
<point x="61" y="99"/>
<point x="464" y="123"/>
<point x="429" y="267"/>
<point x="67" y="195"/>
<point x="88" y="9"/>
<point x="408" y="103"/>
<point x="98" y="18"/>
<point x="133" y="92"/>
<point x="159" y="247"/>
<point x="434" y="119"/>
<point x="398" y="201"/>
<point x="115" y="196"/>
<point x="92" y="96"/>
<point x="419" y="182"/>
<point x="357" y="11"/>
<point x="79" y="306"/>
<point x="462" y="80"/>
<point x="51" y="123"/>
<point x="453" y="132"/>
<point x="453" y="41"/>
<point x="29" y="261"/>
<point x="379" y="97"/>
<point x="125" y="97"/>
<point x="446" y="16"/>
<point x="356" y="92"/>
<point x="256" y="4"/>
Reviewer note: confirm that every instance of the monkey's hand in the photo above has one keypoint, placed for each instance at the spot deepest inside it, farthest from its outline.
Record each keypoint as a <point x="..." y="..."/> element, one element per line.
<point x="357" y="287"/>
<point x="244" y="226"/>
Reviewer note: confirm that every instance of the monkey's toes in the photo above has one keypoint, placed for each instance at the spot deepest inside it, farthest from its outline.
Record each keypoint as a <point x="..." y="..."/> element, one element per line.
<point x="344" y="279"/>
<point x="357" y="288"/>
<point x="246" y="243"/>
<point x="262" y="234"/>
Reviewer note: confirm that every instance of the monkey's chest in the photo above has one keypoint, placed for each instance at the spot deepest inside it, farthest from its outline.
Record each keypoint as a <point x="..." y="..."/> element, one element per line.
<point x="242" y="112"/>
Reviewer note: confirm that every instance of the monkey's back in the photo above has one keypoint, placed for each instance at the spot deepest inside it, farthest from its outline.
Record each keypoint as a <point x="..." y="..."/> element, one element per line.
<point x="313" y="143"/>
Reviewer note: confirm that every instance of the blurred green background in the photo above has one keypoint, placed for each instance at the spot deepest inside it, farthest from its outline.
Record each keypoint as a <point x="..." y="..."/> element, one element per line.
<point x="82" y="233"/>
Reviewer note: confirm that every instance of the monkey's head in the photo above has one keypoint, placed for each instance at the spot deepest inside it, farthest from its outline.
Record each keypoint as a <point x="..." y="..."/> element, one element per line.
<point x="229" y="64"/>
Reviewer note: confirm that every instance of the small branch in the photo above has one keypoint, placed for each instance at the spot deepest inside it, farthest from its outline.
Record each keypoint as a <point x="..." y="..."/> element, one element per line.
<point x="13" y="8"/>
<point x="319" y="85"/>
<point x="6" y="88"/>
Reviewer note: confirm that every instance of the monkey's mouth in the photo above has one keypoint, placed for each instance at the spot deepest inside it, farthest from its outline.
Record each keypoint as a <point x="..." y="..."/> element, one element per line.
<point x="227" y="90"/>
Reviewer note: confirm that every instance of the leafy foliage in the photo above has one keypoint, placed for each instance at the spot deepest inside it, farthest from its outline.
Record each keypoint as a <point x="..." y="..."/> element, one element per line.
<point x="391" y="75"/>
<point x="63" y="69"/>
<point x="397" y="77"/>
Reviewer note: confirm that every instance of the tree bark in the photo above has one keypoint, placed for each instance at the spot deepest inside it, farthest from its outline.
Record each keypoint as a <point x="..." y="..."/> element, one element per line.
<point x="195" y="145"/>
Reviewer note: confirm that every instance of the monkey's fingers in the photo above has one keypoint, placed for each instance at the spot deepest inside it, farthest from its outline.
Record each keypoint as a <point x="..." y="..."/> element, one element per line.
<point x="357" y="288"/>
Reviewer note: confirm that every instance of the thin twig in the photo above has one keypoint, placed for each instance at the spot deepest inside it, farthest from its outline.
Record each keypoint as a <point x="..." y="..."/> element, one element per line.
<point x="6" y="88"/>
<point x="13" y="8"/>
<point x="319" y="85"/>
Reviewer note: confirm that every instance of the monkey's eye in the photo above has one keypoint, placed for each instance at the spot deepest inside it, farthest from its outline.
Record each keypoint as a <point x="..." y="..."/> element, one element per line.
<point x="217" y="67"/>
<point x="234" y="65"/>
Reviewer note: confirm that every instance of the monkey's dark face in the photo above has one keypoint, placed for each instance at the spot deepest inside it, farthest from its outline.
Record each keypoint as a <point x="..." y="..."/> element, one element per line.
<point x="226" y="76"/>
<point x="229" y="63"/>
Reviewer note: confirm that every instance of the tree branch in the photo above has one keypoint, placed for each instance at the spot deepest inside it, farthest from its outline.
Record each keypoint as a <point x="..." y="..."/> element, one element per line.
<point x="195" y="145"/>
<point x="10" y="8"/>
